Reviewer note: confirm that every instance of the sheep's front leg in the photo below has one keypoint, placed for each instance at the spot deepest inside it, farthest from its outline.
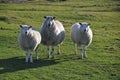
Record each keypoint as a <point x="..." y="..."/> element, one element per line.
<point x="26" y="59"/>
<point x="58" y="48"/>
<point x="31" y="60"/>
<point x="52" y="52"/>
<point x="48" y="49"/>
<point x="75" y="47"/>
<point x="85" y="55"/>
<point x="81" y="54"/>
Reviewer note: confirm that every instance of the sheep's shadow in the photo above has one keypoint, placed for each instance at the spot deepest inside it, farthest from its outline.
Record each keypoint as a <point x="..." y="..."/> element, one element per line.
<point x="18" y="63"/>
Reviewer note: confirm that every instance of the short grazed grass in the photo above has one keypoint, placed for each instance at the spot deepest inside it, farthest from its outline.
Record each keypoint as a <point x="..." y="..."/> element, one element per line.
<point x="103" y="60"/>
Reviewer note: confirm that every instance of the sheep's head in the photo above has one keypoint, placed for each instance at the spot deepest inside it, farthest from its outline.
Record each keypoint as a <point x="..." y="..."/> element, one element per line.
<point x="49" y="20"/>
<point x="84" y="27"/>
<point x="25" y="29"/>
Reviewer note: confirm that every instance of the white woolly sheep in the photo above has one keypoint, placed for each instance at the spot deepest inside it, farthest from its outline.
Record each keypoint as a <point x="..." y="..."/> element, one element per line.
<point x="53" y="34"/>
<point x="81" y="34"/>
<point x="29" y="40"/>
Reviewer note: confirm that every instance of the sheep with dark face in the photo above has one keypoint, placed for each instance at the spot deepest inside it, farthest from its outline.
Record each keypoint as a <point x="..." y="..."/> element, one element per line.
<point x="81" y="34"/>
<point x="53" y="34"/>
<point x="29" y="40"/>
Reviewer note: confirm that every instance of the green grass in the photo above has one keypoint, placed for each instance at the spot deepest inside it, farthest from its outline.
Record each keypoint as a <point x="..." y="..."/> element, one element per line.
<point x="103" y="62"/>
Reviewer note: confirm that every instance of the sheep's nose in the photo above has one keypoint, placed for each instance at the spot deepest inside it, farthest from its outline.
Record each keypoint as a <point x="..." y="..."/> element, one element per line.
<point x="85" y="30"/>
<point x="25" y="32"/>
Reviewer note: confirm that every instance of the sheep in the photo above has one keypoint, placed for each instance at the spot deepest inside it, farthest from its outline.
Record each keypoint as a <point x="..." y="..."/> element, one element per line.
<point x="81" y="34"/>
<point x="53" y="34"/>
<point x="29" y="39"/>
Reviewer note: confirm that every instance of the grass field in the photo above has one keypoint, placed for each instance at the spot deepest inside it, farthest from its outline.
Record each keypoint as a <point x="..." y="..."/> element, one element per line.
<point x="103" y="62"/>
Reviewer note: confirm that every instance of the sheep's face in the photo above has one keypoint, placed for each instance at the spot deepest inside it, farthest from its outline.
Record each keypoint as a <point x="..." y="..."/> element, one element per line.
<point x="84" y="27"/>
<point x="49" y="20"/>
<point x="25" y="29"/>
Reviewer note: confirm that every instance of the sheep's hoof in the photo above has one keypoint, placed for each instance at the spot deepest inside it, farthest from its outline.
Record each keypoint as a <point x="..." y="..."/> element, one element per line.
<point x="37" y="58"/>
<point x="48" y="57"/>
<point x="75" y="53"/>
<point x="31" y="62"/>
<point x="85" y="56"/>
<point x="26" y="61"/>
<point x="58" y="53"/>
<point x="52" y="57"/>
<point x="81" y="57"/>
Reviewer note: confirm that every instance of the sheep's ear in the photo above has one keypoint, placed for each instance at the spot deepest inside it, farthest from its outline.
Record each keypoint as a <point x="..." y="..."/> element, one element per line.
<point x="89" y="24"/>
<point x="80" y="23"/>
<point x="20" y="26"/>
<point x="54" y="17"/>
<point x="30" y="27"/>
<point x="45" y="17"/>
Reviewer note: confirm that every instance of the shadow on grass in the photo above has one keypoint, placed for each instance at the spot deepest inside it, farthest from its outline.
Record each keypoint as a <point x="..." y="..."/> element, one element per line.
<point x="18" y="63"/>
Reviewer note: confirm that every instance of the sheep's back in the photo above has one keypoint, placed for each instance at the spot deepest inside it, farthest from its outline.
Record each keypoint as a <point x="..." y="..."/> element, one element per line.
<point x="75" y="33"/>
<point x="61" y="35"/>
<point x="59" y="25"/>
<point x="90" y="36"/>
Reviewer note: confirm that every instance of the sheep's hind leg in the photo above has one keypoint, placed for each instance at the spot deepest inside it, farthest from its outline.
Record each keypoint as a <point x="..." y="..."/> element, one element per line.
<point x="36" y="51"/>
<point x="52" y="52"/>
<point x="85" y="55"/>
<point x="58" y="48"/>
<point x="48" y="49"/>
<point x="75" y="47"/>
<point x="31" y="60"/>
<point x="26" y="59"/>
<point x="81" y="54"/>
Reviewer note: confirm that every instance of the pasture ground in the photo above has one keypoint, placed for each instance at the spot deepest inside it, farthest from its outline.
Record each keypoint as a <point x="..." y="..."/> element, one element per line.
<point x="103" y="62"/>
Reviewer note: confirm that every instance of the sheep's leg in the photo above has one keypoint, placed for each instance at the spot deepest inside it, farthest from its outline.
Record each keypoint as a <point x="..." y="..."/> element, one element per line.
<point x="48" y="49"/>
<point x="26" y="59"/>
<point x="31" y="60"/>
<point x="52" y="52"/>
<point x="36" y="51"/>
<point x="81" y="54"/>
<point x="75" y="47"/>
<point x="58" y="48"/>
<point x="85" y="55"/>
